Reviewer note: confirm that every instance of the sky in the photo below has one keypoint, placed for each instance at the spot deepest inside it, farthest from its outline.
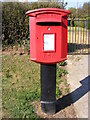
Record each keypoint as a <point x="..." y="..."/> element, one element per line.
<point x="73" y="3"/>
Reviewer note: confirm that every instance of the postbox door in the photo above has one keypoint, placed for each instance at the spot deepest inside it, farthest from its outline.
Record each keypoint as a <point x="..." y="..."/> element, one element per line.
<point x="49" y="41"/>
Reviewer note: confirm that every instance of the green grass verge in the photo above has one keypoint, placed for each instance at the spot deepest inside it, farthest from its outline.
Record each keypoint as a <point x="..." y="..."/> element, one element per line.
<point x="21" y="86"/>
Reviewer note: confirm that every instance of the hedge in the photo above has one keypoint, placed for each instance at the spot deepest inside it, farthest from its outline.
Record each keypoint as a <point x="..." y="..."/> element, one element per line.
<point x="15" y="27"/>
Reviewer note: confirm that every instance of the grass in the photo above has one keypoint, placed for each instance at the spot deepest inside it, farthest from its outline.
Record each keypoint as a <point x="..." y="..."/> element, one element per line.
<point x="21" y="86"/>
<point x="62" y="87"/>
<point x="61" y="71"/>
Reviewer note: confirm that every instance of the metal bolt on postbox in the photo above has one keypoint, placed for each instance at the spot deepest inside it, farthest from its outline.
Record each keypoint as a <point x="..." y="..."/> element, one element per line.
<point x="48" y="46"/>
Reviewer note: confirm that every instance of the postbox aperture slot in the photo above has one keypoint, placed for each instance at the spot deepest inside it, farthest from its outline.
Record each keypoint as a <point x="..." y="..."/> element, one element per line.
<point x="49" y="42"/>
<point x="48" y="23"/>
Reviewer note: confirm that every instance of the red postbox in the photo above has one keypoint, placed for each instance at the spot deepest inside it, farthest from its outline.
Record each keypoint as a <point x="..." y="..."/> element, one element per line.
<point x="48" y="35"/>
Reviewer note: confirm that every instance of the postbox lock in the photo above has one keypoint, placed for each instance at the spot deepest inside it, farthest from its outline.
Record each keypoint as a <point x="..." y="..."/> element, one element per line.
<point x="48" y="28"/>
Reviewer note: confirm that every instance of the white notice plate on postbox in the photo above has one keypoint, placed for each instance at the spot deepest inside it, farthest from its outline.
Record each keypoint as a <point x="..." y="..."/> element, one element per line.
<point x="49" y="42"/>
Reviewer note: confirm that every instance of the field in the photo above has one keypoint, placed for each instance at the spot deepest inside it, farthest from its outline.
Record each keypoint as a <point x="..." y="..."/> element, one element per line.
<point x="21" y="86"/>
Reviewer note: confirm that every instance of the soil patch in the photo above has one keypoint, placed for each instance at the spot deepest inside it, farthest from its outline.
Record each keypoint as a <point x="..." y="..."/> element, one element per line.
<point x="68" y="112"/>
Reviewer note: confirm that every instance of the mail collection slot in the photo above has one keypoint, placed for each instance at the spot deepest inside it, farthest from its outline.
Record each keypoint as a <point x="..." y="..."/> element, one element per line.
<point x="48" y="35"/>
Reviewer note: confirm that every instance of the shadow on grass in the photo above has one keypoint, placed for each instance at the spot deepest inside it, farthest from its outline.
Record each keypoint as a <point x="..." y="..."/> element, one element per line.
<point x="73" y="47"/>
<point x="74" y="96"/>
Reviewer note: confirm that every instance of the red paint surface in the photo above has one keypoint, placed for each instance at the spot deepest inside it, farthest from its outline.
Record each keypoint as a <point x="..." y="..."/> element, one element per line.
<point x="39" y="22"/>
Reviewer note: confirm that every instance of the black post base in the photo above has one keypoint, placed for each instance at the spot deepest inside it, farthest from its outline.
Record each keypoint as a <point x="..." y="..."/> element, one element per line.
<point x="48" y="107"/>
<point x="48" y="88"/>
